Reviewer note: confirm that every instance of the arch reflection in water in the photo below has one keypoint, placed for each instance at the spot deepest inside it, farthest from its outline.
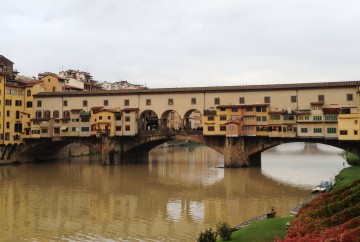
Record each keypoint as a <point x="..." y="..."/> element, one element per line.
<point x="302" y="164"/>
<point x="173" y="197"/>
<point x="176" y="209"/>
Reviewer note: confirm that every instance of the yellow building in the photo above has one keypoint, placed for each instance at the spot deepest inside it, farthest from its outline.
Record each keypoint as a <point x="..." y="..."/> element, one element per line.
<point x="348" y="124"/>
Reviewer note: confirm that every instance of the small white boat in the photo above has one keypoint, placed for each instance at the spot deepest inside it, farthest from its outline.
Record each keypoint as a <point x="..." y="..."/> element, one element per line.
<point x="323" y="187"/>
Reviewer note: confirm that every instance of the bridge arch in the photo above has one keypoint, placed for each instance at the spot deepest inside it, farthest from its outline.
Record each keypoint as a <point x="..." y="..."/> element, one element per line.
<point x="149" y="120"/>
<point x="193" y="119"/>
<point x="171" y="119"/>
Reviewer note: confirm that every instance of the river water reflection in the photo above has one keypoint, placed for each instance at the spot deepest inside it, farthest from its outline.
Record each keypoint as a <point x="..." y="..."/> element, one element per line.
<point x="172" y="198"/>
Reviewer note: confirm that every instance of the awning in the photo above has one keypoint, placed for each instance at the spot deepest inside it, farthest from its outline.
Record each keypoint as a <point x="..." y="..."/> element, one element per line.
<point x="63" y="128"/>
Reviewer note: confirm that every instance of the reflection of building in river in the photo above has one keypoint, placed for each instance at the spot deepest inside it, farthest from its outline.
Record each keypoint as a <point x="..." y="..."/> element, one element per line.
<point x="165" y="199"/>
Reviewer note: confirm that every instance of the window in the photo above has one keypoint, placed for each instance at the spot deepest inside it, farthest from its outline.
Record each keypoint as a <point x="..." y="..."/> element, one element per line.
<point x="7" y="113"/>
<point x="211" y="128"/>
<point x="56" y="114"/>
<point x="293" y="99"/>
<point x="355" y="132"/>
<point x="39" y="103"/>
<point x="100" y="117"/>
<point x="303" y="130"/>
<point x="13" y="92"/>
<point x="28" y="93"/>
<point x="118" y="128"/>
<point x="223" y="117"/>
<point x="170" y="101"/>
<point x="258" y="118"/>
<point x="330" y="118"/>
<point x="38" y="114"/>
<point x="148" y="102"/>
<point x="234" y="110"/>
<point x="267" y="99"/>
<point x="247" y="118"/>
<point x="242" y="100"/>
<point x="127" y="127"/>
<point x="210" y="118"/>
<point x="248" y="127"/>
<point x="73" y="129"/>
<point x="217" y="100"/>
<point x="44" y="131"/>
<point x="8" y="125"/>
<point x="85" y="129"/>
<point x="321" y="98"/>
<point x="66" y="114"/>
<point x="356" y="122"/>
<point x="29" y="104"/>
<point x="85" y="103"/>
<point x="223" y="128"/>
<point x="106" y="102"/>
<point x="349" y="97"/>
<point x="317" y="130"/>
<point x="126" y="102"/>
<point x="8" y="102"/>
<point x="47" y="114"/>
<point x="109" y="117"/>
<point x="275" y="117"/>
<point x="331" y="130"/>
<point x="263" y="118"/>
<point x="20" y="92"/>
<point x="193" y="100"/>
<point x="343" y="132"/>
<point x="317" y="118"/>
<point x="249" y="109"/>
<point x="127" y="119"/>
<point x="222" y="109"/>
<point x="65" y="103"/>
<point x="232" y="128"/>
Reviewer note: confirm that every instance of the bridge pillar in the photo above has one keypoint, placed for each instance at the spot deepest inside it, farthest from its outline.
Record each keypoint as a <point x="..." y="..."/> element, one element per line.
<point x="242" y="152"/>
<point x="107" y="151"/>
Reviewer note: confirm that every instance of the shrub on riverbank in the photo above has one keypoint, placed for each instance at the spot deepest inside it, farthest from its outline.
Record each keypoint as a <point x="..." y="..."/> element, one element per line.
<point x="346" y="176"/>
<point x="334" y="216"/>
<point x="352" y="159"/>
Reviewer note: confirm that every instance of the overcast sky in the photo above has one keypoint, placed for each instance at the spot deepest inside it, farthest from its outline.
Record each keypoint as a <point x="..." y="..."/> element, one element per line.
<point x="183" y="43"/>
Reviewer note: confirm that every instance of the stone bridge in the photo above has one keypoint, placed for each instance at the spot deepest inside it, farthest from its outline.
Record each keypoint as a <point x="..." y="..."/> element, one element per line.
<point x="237" y="151"/>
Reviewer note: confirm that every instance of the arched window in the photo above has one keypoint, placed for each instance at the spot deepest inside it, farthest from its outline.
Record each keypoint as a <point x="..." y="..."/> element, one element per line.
<point x="46" y="114"/>
<point x="66" y="114"/>
<point x="38" y="114"/>
<point x="28" y="93"/>
<point x="56" y="114"/>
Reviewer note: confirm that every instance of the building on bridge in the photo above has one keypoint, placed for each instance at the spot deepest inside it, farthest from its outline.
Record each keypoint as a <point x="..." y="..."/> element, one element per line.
<point x="34" y="109"/>
<point x="316" y="110"/>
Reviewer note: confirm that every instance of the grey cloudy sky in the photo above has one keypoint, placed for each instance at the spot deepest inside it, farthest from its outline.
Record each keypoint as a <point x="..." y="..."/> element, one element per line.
<point x="175" y="43"/>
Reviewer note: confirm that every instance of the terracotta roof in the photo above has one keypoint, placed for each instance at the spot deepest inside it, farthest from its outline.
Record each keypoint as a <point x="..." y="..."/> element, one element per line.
<point x="243" y="88"/>
<point x="6" y="59"/>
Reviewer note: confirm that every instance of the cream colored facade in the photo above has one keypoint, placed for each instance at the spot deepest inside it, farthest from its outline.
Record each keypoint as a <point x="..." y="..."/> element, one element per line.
<point x="303" y="110"/>
<point x="317" y="110"/>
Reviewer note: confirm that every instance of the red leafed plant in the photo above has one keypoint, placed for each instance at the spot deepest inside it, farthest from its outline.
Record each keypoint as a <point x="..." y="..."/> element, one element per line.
<point x="334" y="216"/>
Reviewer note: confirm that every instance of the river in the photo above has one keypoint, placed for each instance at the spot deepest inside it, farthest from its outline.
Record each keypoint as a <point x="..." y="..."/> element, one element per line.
<point x="173" y="197"/>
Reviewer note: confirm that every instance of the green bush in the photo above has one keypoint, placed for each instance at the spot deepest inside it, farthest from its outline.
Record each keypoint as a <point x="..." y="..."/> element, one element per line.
<point x="223" y="229"/>
<point x="207" y="236"/>
<point x="352" y="159"/>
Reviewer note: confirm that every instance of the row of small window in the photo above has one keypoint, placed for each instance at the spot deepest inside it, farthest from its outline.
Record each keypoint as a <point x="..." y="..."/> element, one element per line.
<point x="66" y="114"/>
<point x="8" y="102"/>
<point x="15" y="92"/>
<point x="8" y="114"/>
<point x="318" y="130"/>
<point x="7" y="136"/>
<point x="74" y="129"/>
